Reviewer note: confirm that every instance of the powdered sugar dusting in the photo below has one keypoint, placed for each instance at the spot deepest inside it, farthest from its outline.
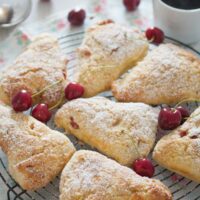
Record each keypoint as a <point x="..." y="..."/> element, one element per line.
<point x="41" y="65"/>
<point x="90" y="175"/>
<point x="168" y="75"/>
<point x="181" y="152"/>
<point x="111" y="126"/>
<point x="36" y="154"/>
<point x="108" y="50"/>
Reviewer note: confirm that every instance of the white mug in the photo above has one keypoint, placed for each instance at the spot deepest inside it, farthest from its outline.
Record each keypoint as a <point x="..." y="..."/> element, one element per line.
<point x="180" y="24"/>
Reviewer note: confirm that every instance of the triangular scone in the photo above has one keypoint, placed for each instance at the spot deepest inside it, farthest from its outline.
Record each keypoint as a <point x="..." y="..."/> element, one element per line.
<point x="36" y="154"/>
<point x="122" y="131"/>
<point x="167" y="75"/>
<point x="39" y="66"/>
<point x="107" y="51"/>
<point x="91" y="176"/>
<point x="180" y="150"/>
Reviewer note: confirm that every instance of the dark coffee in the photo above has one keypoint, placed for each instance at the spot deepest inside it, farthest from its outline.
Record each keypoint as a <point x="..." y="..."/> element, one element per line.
<point x="183" y="4"/>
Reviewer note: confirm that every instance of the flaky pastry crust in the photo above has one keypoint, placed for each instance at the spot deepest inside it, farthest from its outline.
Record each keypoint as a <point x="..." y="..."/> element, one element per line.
<point x="40" y="65"/>
<point x="107" y="51"/>
<point x="123" y="131"/>
<point x="179" y="151"/>
<point x="91" y="176"/>
<point x="169" y="74"/>
<point x="36" y="154"/>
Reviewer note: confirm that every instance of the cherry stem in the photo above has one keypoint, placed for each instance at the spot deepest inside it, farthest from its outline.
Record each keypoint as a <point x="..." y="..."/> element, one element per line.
<point x="46" y="88"/>
<point x="136" y="149"/>
<point x="173" y="109"/>
<point x="186" y="100"/>
<point x="58" y="103"/>
<point x="152" y="39"/>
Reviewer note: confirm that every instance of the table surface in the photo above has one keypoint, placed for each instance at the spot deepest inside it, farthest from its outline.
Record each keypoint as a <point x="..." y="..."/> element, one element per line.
<point x="42" y="10"/>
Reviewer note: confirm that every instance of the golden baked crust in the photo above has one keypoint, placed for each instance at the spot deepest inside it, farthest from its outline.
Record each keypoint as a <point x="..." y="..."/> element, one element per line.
<point x="167" y="75"/>
<point x="39" y="66"/>
<point x="123" y="131"/>
<point x="36" y="154"/>
<point x="91" y="176"/>
<point x="179" y="151"/>
<point x="107" y="51"/>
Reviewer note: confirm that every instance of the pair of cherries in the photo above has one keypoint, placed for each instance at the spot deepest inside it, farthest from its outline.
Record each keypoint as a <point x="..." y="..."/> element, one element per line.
<point x="169" y="119"/>
<point x="22" y="101"/>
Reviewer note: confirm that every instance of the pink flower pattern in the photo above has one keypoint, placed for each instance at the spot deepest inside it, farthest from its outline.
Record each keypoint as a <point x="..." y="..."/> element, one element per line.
<point x="99" y="8"/>
<point x="61" y="24"/>
<point x="24" y="37"/>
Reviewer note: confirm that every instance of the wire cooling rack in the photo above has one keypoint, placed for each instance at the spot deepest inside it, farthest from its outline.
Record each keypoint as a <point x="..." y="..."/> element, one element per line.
<point x="181" y="188"/>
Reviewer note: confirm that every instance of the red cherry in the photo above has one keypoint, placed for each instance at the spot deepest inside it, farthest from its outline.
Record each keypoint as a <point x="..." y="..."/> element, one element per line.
<point x="144" y="167"/>
<point x="184" y="112"/>
<point x="41" y="112"/>
<point x="21" y="101"/>
<point x="74" y="91"/>
<point x="76" y="17"/>
<point x="155" y="35"/>
<point x="169" y="118"/>
<point x="131" y="4"/>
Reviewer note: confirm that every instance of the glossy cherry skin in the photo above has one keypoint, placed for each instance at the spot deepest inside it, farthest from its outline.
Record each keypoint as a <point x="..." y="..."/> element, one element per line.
<point x="185" y="113"/>
<point x="76" y="17"/>
<point x="144" y="167"/>
<point x="22" y="101"/>
<point x="155" y="35"/>
<point x="169" y="118"/>
<point x="41" y="112"/>
<point x="74" y="91"/>
<point x="131" y="4"/>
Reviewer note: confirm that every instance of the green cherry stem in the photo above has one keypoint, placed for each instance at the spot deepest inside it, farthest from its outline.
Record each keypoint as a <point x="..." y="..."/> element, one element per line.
<point x="46" y="88"/>
<point x="135" y="147"/>
<point x="58" y="103"/>
<point x="186" y="100"/>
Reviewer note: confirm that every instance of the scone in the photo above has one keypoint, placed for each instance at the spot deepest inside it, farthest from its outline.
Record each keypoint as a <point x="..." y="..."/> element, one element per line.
<point x="122" y="131"/>
<point x="107" y="51"/>
<point x="40" y="65"/>
<point x="36" y="154"/>
<point x="180" y="150"/>
<point x="167" y="75"/>
<point x="91" y="176"/>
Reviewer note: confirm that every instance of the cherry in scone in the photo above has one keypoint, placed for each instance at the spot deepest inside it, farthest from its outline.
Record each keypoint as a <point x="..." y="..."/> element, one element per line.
<point x="74" y="91"/>
<point x="183" y="133"/>
<point x="22" y="101"/>
<point x="185" y="113"/>
<point x="144" y="167"/>
<point x="76" y="17"/>
<point x="41" y="112"/>
<point x="131" y="4"/>
<point x="155" y="35"/>
<point x="169" y="118"/>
